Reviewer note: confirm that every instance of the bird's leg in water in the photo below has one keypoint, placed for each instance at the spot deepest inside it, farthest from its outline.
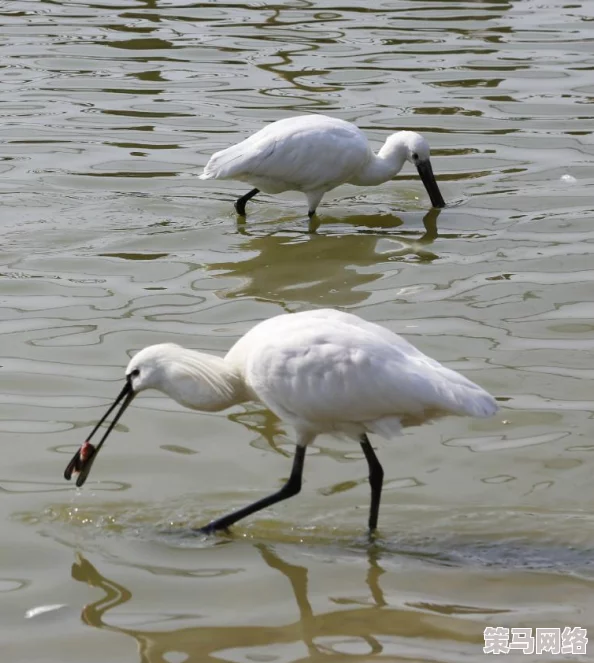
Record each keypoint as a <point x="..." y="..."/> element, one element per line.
<point x="376" y="479"/>
<point x="240" y="202"/>
<point x="313" y="225"/>
<point x="292" y="487"/>
<point x="314" y="198"/>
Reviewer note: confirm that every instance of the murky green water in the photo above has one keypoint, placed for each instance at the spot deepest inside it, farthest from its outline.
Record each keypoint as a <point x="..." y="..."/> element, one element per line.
<point x="109" y="242"/>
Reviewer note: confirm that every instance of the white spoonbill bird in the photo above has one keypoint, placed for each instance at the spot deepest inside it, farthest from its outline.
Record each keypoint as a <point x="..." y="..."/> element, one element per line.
<point x="322" y="371"/>
<point x="315" y="154"/>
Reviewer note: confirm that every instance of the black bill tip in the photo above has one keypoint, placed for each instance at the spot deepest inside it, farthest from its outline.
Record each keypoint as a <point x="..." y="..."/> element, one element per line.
<point x="426" y="174"/>
<point x="81" y="463"/>
<point x="73" y="466"/>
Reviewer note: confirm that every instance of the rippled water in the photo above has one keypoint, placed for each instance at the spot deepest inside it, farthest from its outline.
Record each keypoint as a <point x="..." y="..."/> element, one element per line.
<point x="110" y="242"/>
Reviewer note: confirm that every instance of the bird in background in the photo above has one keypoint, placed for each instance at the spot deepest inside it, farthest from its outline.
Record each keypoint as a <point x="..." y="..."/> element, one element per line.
<point x="322" y="371"/>
<point x="315" y="154"/>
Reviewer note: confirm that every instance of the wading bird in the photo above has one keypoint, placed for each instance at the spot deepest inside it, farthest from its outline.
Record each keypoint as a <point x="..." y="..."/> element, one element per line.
<point x="322" y="371"/>
<point x="315" y="154"/>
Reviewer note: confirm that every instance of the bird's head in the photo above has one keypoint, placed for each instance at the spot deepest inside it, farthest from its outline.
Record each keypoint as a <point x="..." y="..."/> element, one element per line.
<point x="149" y="367"/>
<point x="416" y="150"/>
<point x="196" y="380"/>
<point x="146" y="370"/>
<point x="417" y="147"/>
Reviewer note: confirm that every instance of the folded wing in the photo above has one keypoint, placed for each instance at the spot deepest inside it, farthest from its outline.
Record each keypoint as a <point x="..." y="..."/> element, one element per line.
<point x="337" y="373"/>
<point x="302" y="153"/>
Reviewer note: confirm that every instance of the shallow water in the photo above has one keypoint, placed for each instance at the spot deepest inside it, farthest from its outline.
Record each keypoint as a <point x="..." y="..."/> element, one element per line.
<point x="110" y="242"/>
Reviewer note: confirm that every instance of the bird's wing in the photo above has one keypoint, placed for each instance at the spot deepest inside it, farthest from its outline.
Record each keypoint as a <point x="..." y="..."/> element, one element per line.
<point x="333" y="374"/>
<point x="308" y="153"/>
<point x="371" y="327"/>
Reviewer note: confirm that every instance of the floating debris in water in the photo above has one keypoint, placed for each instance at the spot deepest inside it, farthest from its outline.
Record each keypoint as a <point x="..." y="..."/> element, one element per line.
<point x="568" y="179"/>
<point x="42" y="609"/>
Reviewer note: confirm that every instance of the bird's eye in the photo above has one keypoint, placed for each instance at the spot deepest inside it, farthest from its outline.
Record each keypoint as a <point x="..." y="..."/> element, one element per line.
<point x="415" y="156"/>
<point x="133" y="374"/>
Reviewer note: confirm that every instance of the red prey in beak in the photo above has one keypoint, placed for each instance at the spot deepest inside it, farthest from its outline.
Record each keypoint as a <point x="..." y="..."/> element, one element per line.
<point x="82" y="461"/>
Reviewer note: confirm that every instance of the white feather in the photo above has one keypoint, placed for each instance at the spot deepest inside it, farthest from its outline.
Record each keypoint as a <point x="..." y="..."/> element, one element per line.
<point x="314" y="154"/>
<point x="322" y="371"/>
<point x="327" y="371"/>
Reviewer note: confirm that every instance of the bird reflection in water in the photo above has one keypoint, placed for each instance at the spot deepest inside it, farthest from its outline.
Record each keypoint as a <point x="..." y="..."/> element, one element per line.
<point x="336" y="268"/>
<point x="378" y="224"/>
<point x="362" y="620"/>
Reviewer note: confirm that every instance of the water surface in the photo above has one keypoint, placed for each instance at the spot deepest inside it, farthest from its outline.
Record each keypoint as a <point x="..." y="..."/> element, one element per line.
<point x="110" y="242"/>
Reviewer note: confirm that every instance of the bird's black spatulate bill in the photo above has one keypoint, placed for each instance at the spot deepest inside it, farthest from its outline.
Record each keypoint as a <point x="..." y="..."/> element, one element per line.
<point x="428" y="178"/>
<point x="83" y="459"/>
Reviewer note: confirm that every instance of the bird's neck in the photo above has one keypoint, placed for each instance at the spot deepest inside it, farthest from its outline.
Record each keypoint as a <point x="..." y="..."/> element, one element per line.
<point x="383" y="166"/>
<point x="204" y="382"/>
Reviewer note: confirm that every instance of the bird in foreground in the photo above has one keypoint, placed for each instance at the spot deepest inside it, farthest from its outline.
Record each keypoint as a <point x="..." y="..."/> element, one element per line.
<point x="322" y="371"/>
<point x="315" y="154"/>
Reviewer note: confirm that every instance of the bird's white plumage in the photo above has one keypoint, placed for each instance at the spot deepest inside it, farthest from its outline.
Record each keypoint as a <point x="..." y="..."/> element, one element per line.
<point x="302" y="153"/>
<point x="314" y="154"/>
<point x="329" y="371"/>
<point x="321" y="371"/>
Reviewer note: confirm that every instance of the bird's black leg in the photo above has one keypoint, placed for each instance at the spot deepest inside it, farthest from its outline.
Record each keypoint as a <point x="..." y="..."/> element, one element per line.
<point x="240" y="202"/>
<point x="292" y="487"/>
<point x="311" y="213"/>
<point x="376" y="478"/>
